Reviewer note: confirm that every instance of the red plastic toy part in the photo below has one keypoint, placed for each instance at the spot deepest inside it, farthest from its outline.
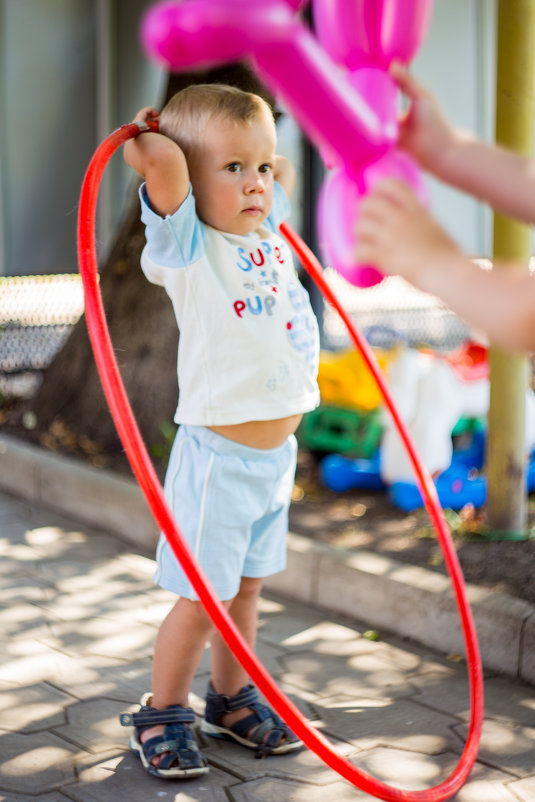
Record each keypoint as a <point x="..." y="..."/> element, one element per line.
<point x="146" y="476"/>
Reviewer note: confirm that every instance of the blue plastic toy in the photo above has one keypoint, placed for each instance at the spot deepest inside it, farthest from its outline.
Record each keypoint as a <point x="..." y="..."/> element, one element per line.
<point x="471" y="453"/>
<point x="530" y="473"/>
<point x="343" y="473"/>
<point x="455" y="488"/>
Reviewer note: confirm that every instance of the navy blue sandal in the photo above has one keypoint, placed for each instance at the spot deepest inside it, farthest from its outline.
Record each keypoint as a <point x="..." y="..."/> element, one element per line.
<point x="177" y="748"/>
<point x="262" y="730"/>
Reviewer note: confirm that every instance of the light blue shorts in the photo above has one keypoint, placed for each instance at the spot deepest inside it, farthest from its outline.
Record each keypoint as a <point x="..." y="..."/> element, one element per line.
<point x="231" y="505"/>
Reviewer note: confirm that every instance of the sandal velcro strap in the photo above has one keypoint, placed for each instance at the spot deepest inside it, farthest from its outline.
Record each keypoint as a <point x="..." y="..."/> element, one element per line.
<point x="149" y="716"/>
<point x="275" y="736"/>
<point x="181" y="749"/>
<point x="221" y="704"/>
<point x="262" y="729"/>
<point x="260" y="721"/>
<point x="176" y="750"/>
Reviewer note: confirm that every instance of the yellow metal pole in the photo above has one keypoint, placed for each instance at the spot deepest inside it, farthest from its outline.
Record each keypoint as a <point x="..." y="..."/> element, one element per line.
<point x="515" y="108"/>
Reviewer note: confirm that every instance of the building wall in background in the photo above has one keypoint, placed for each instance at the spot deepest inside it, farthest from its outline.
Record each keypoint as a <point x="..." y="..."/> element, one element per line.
<point x="47" y="122"/>
<point x="70" y="72"/>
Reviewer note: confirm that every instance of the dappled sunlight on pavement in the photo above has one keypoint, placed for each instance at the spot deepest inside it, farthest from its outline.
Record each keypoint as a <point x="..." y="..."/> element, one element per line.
<point x="78" y="617"/>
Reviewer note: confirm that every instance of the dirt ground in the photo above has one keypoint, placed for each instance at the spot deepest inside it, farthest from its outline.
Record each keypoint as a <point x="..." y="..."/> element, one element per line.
<point x="367" y="520"/>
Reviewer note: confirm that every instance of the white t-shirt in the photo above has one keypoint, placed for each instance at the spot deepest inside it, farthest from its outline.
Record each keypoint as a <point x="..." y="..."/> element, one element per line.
<point x="249" y="344"/>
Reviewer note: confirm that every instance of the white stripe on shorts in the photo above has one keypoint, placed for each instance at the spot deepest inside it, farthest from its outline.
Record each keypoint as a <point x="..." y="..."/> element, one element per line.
<point x="162" y="542"/>
<point x="203" y="506"/>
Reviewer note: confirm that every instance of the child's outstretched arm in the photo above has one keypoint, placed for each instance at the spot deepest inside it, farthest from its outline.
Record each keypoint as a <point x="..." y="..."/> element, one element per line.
<point x="504" y="179"/>
<point x="396" y="234"/>
<point x="162" y="164"/>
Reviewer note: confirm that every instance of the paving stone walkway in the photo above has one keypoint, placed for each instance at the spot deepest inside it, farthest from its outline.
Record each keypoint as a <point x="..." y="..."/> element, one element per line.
<point x="78" y="617"/>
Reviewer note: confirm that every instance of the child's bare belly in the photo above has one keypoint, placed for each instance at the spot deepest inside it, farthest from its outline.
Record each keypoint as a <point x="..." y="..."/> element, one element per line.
<point x="260" y="434"/>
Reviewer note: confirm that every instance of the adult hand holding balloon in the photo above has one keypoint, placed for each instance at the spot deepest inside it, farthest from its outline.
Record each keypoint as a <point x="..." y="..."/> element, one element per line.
<point x="338" y="211"/>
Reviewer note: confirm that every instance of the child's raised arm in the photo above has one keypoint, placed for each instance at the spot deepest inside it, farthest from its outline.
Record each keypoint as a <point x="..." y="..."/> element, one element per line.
<point x="162" y="164"/>
<point x="284" y="174"/>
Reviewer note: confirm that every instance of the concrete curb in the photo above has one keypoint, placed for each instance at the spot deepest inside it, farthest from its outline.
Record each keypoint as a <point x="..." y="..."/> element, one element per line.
<point x="90" y="495"/>
<point x="404" y="599"/>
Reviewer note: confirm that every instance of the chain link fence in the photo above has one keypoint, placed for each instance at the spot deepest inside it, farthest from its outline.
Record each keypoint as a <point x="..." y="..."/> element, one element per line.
<point x="390" y="313"/>
<point x="37" y="314"/>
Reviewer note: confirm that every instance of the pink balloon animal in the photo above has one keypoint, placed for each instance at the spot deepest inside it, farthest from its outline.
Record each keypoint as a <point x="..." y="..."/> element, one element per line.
<point x="365" y="36"/>
<point x="336" y="85"/>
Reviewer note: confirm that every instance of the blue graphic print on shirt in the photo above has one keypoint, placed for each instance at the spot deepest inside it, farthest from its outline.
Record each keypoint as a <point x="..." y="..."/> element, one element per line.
<point x="301" y="328"/>
<point x="260" y="264"/>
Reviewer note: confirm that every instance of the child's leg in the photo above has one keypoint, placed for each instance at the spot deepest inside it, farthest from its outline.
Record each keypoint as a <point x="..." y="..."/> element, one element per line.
<point x="178" y="651"/>
<point x="179" y="648"/>
<point x="233" y="708"/>
<point x="228" y="676"/>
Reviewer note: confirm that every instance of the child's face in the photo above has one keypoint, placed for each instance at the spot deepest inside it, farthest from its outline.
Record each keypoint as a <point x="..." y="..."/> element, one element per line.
<point x="232" y="174"/>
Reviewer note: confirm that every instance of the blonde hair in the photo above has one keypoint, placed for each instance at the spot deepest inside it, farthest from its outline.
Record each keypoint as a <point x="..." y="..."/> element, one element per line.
<point x="185" y="117"/>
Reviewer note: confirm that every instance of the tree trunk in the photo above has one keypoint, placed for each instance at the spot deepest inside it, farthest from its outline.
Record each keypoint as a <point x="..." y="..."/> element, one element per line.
<point x="70" y="408"/>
